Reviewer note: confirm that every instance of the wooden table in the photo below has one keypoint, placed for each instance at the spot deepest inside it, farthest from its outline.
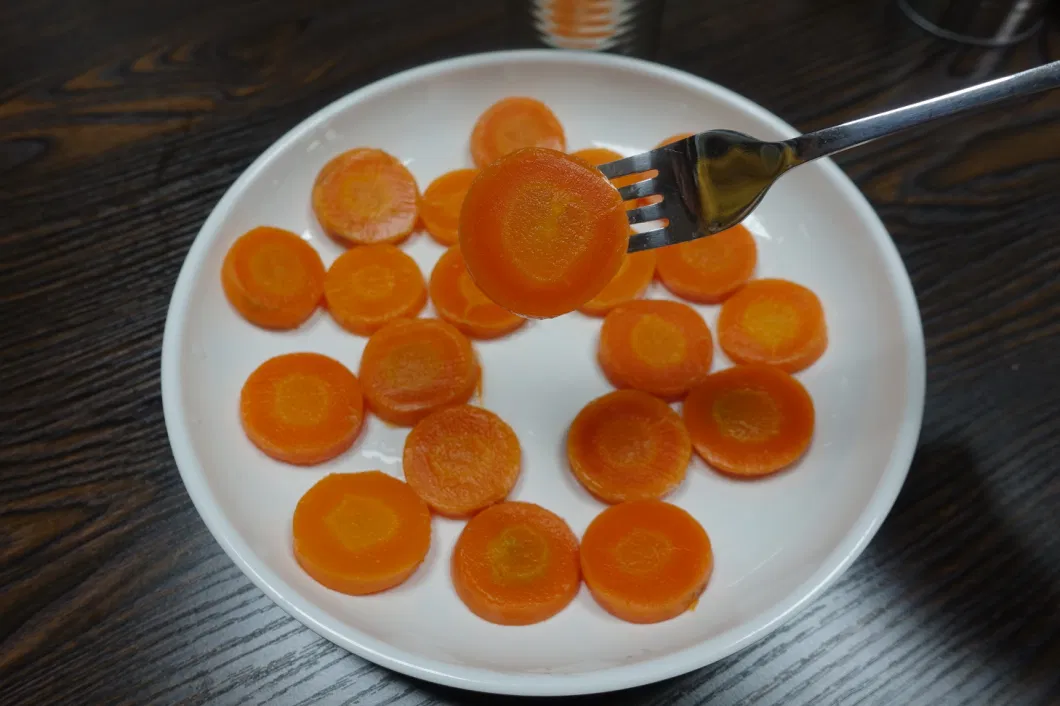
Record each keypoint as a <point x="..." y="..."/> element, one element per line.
<point x="121" y="124"/>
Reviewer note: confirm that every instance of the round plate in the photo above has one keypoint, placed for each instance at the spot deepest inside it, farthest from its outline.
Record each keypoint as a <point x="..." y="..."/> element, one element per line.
<point x="778" y="541"/>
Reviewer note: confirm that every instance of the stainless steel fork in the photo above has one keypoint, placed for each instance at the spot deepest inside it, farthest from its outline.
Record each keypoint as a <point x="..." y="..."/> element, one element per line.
<point x="711" y="181"/>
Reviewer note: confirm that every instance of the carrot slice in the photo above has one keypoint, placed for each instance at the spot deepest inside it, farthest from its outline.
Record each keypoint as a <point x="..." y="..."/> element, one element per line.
<point x="631" y="281"/>
<point x="597" y="155"/>
<point x="461" y="460"/>
<point x="360" y="533"/>
<point x="302" y="408"/>
<point x="750" y="420"/>
<point x="601" y="155"/>
<point x="542" y="232"/>
<point x="773" y="321"/>
<point x="411" y="367"/>
<point x="711" y="268"/>
<point x="674" y="138"/>
<point x="646" y="561"/>
<point x="368" y="286"/>
<point x="516" y="564"/>
<point x="440" y="206"/>
<point x="459" y="301"/>
<point x="628" y="445"/>
<point x="511" y="124"/>
<point x="273" y="278"/>
<point x="366" y="196"/>
<point x="661" y="347"/>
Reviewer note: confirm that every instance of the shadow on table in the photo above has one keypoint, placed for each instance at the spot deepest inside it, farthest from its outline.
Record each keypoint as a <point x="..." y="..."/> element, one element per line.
<point x="976" y="587"/>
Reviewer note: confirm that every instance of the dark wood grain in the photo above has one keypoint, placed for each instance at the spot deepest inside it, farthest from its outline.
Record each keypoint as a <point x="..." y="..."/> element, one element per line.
<point x="121" y="123"/>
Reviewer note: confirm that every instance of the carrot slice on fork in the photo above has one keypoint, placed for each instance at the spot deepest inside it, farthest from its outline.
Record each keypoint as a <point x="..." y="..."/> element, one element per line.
<point x="542" y="232"/>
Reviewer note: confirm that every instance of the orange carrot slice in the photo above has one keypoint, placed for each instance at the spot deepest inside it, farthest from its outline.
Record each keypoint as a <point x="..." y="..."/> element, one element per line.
<point x="273" y="278"/>
<point x="711" y="268"/>
<point x="411" y="367"/>
<point x="631" y="281"/>
<point x="511" y="124"/>
<point x="750" y="420"/>
<point x="628" y="445"/>
<point x="601" y="155"/>
<point x="368" y="286"/>
<point x="542" y="232"/>
<point x="302" y="408"/>
<point x="459" y="301"/>
<point x="366" y="196"/>
<point x="516" y="564"/>
<point x="773" y="321"/>
<point x="440" y="206"/>
<point x="597" y="155"/>
<point x="661" y="347"/>
<point x="646" y="561"/>
<point x="674" y="138"/>
<point x="360" y="533"/>
<point x="461" y="459"/>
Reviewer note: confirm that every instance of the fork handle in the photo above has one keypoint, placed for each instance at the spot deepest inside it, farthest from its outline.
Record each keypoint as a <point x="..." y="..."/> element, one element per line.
<point x="831" y="140"/>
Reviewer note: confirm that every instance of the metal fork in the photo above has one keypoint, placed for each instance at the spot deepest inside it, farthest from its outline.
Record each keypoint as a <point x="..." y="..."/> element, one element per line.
<point x="711" y="181"/>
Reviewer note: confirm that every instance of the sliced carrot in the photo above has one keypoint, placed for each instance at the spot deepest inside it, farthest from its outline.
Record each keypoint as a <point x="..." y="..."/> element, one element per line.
<point x="440" y="206"/>
<point x="773" y="321"/>
<point x="711" y="268"/>
<point x="360" y="533"/>
<point x="601" y="155"/>
<point x="516" y="564"/>
<point x="661" y="347"/>
<point x="646" y="561"/>
<point x="631" y="281"/>
<point x="273" y="278"/>
<point x="674" y="138"/>
<point x="366" y="196"/>
<point x="459" y="301"/>
<point x="750" y="420"/>
<point x="511" y="124"/>
<point x="542" y="232"/>
<point x="461" y="459"/>
<point x="368" y="286"/>
<point x="302" y="408"/>
<point x="628" y="445"/>
<point x="411" y="367"/>
<point x="597" y="155"/>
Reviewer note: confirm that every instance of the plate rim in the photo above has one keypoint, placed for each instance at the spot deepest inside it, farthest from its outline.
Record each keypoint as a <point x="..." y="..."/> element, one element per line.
<point x="538" y="684"/>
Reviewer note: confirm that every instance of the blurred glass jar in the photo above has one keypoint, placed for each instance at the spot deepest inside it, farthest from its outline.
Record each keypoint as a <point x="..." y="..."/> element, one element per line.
<point x="618" y="26"/>
<point x="988" y="23"/>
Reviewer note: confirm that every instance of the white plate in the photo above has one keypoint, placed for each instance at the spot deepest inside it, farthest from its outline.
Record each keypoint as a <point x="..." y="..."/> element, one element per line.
<point x="779" y="542"/>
